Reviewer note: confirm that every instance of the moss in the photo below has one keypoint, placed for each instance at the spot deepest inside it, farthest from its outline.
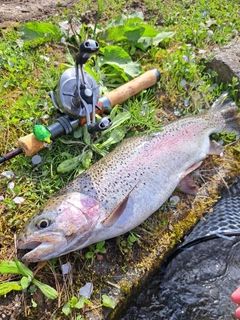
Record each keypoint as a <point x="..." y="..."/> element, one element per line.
<point x="125" y="286"/>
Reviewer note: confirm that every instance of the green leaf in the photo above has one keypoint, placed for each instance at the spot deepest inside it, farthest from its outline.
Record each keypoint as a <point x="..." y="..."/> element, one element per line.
<point x="66" y="309"/>
<point x="25" y="281"/>
<point x="39" y="32"/>
<point x="68" y="165"/>
<point x="22" y="269"/>
<point x="34" y="304"/>
<point x="103" y="250"/>
<point x="9" y="286"/>
<point x="150" y="31"/>
<point x="108" y="302"/>
<point x="117" y="57"/>
<point x="145" y="42"/>
<point x="78" y="133"/>
<point x="89" y="255"/>
<point x="73" y="302"/>
<point x="116" y="136"/>
<point x="7" y="267"/>
<point x="95" y="148"/>
<point x="118" y="120"/>
<point x="48" y="291"/>
<point x="87" y="158"/>
<point x="100" y="244"/>
<point x="162" y="36"/>
<point x="80" y="303"/>
<point x="86" y="136"/>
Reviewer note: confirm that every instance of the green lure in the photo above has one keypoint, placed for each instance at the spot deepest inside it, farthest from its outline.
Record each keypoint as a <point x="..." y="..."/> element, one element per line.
<point x="42" y="133"/>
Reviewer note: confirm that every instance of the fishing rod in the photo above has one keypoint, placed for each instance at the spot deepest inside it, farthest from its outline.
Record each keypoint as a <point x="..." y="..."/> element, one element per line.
<point x="76" y="96"/>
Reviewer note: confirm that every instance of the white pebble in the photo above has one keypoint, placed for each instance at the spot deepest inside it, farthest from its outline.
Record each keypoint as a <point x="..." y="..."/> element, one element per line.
<point x="11" y="185"/>
<point x="36" y="159"/>
<point x="87" y="290"/>
<point x="66" y="268"/>
<point x="174" y="200"/>
<point x="183" y="83"/>
<point x="8" y="174"/>
<point x="18" y="200"/>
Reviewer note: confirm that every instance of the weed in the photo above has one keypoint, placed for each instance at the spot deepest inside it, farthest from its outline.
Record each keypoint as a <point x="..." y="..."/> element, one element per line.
<point x="94" y="250"/>
<point x="81" y="303"/>
<point x="125" y="245"/>
<point x="16" y="267"/>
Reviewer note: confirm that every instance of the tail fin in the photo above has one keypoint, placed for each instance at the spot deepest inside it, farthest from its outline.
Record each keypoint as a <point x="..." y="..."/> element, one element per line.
<point x="229" y="113"/>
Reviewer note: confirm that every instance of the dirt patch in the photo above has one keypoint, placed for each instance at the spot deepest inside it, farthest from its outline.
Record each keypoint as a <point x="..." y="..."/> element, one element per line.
<point x="26" y="10"/>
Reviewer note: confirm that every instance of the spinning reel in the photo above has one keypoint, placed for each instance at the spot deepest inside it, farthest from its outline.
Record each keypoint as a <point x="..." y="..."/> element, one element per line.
<point x="77" y="93"/>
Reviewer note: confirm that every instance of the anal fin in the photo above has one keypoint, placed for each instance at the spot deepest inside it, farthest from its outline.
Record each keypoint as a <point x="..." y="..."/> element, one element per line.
<point x="187" y="185"/>
<point x="215" y="148"/>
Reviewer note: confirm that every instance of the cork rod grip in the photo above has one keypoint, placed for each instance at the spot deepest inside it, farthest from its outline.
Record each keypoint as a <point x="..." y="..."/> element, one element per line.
<point x="120" y="94"/>
<point x="30" y="144"/>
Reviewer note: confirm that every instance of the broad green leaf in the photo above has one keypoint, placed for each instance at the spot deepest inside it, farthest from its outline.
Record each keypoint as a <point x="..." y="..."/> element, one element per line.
<point x="25" y="281"/>
<point x="78" y="133"/>
<point x="134" y="34"/>
<point x="80" y="303"/>
<point x="48" y="291"/>
<point x="23" y="269"/>
<point x="114" y="34"/>
<point x="115" y="54"/>
<point x="162" y="36"/>
<point x="108" y="302"/>
<point x="95" y="148"/>
<point x="118" y="57"/>
<point x="103" y="250"/>
<point x="145" y="42"/>
<point x="116" y="136"/>
<point x="66" y="309"/>
<point x="69" y="164"/>
<point x="124" y="32"/>
<point x="33" y="30"/>
<point x="9" y="286"/>
<point x="73" y="302"/>
<point x="89" y="255"/>
<point x="7" y="267"/>
<point x="100" y="244"/>
<point x="150" y="31"/>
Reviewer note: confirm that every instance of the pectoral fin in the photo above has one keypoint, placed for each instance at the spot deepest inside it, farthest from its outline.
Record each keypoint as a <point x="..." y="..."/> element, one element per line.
<point x="192" y="168"/>
<point x="117" y="212"/>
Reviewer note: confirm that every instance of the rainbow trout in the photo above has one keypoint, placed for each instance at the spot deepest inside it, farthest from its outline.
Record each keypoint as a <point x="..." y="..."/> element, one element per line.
<point x="124" y="188"/>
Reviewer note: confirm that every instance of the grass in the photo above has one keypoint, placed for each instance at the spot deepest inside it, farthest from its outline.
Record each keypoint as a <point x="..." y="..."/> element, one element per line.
<point x="28" y="73"/>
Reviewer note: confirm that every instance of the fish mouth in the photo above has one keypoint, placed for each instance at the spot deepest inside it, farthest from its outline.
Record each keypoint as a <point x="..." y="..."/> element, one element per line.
<point x="28" y="245"/>
<point x="42" y="247"/>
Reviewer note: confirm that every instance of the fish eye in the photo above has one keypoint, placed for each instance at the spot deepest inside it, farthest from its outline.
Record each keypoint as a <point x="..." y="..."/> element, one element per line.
<point x="44" y="223"/>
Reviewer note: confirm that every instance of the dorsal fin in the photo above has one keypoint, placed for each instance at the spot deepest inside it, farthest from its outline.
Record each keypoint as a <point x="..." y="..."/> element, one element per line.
<point x="118" y="211"/>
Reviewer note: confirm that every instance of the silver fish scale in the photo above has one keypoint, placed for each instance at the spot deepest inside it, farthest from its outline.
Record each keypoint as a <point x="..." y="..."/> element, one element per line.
<point x="223" y="221"/>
